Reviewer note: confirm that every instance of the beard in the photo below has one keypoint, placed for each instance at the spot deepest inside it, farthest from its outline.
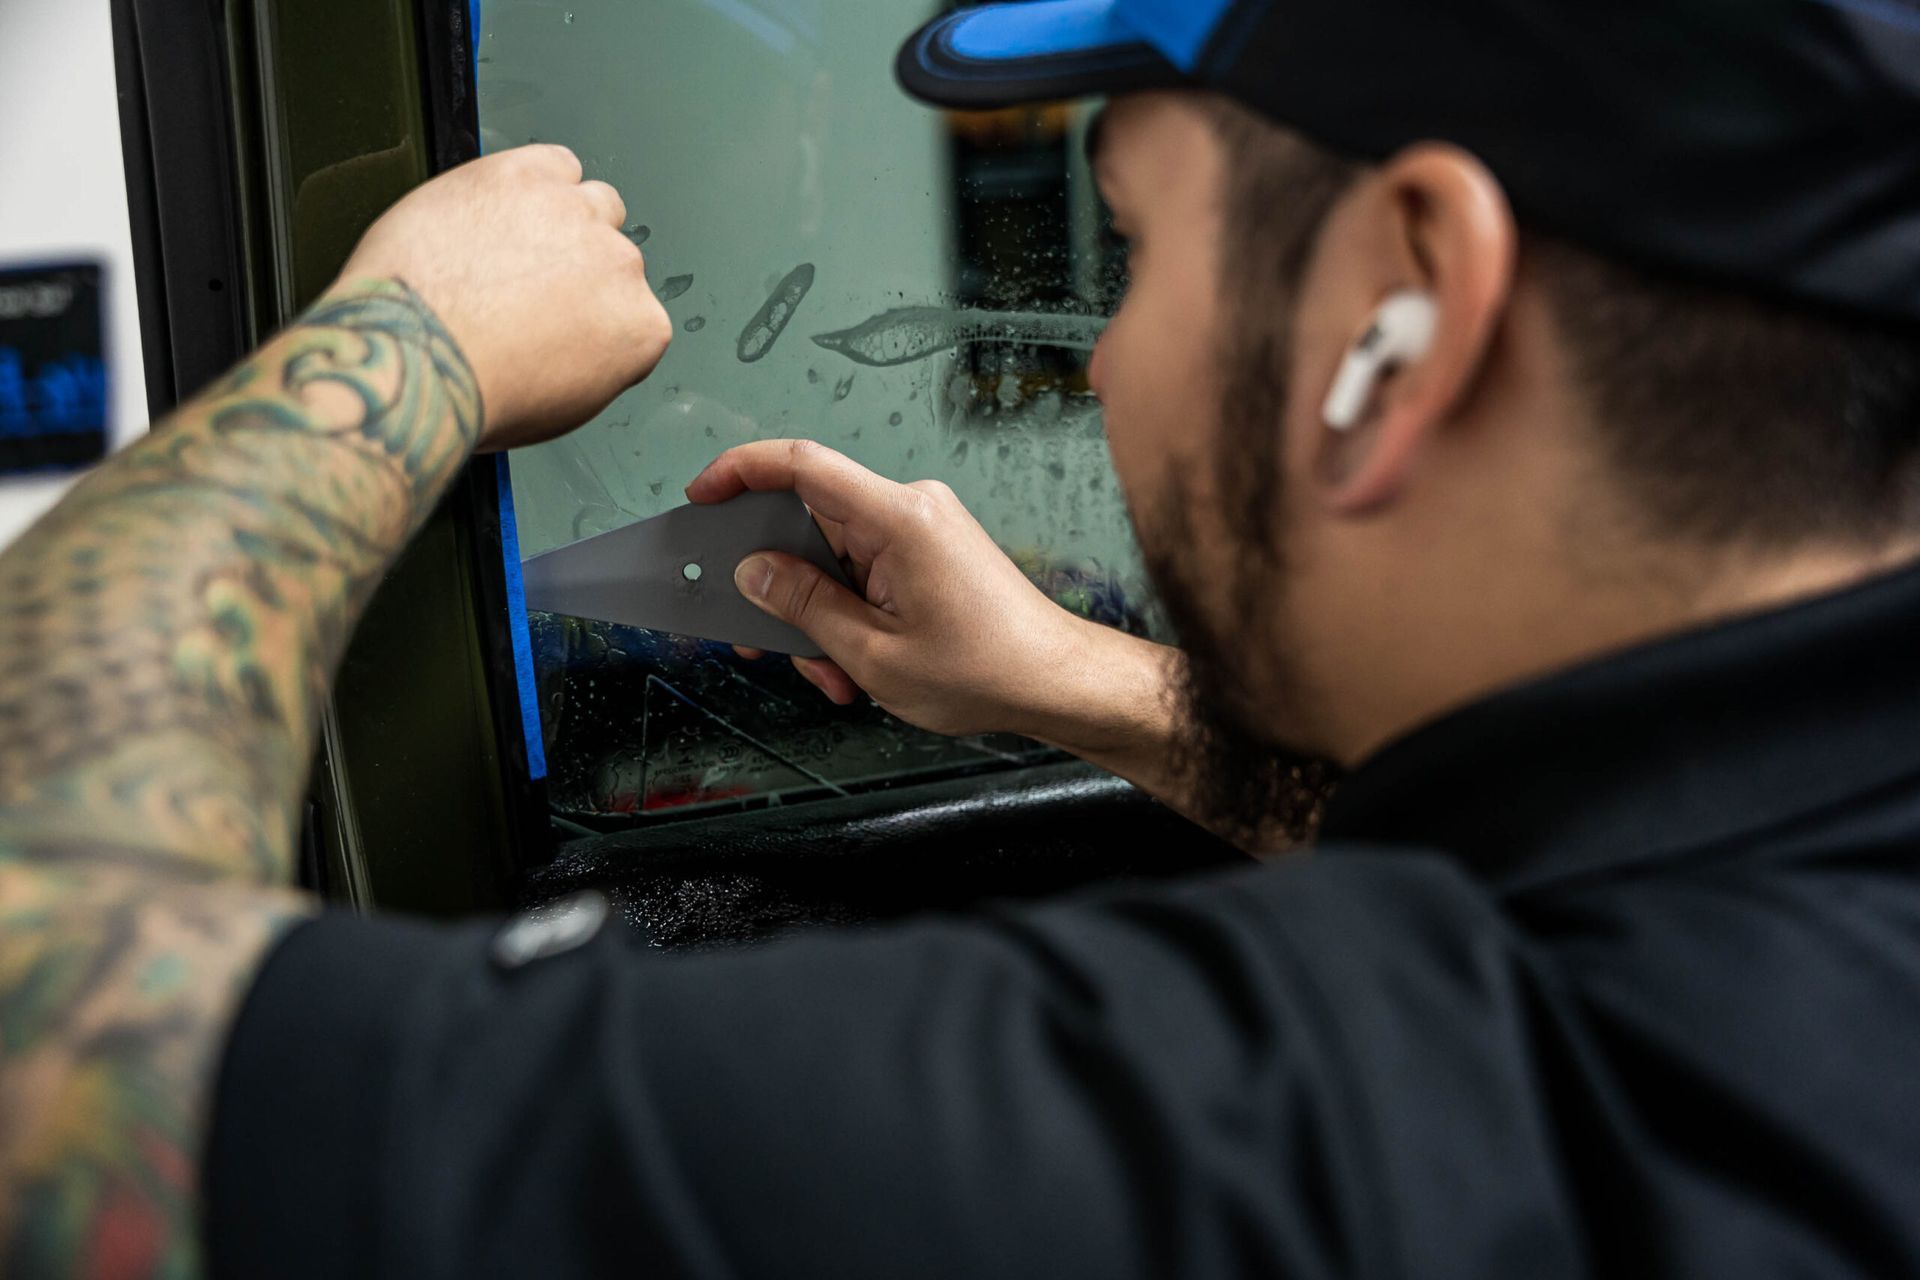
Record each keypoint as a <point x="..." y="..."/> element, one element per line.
<point x="1242" y="780"/>
<point x="1241" y="673"/>
<point x="1240" y="677"/>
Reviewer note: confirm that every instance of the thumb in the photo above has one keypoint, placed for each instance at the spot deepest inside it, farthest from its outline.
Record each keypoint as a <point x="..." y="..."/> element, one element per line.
<point x="798" y="593"/>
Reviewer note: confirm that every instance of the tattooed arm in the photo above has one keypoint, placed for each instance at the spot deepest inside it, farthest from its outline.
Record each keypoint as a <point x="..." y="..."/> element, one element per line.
<point x="167" y="634"/>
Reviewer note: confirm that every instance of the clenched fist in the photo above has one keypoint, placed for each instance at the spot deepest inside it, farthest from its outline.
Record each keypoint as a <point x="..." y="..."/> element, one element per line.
<point x="527" y="268"/>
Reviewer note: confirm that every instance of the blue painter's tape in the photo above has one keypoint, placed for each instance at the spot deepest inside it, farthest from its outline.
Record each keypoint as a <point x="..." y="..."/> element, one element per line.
<point x="510" y="552"/>
<point x="517" y="626"/>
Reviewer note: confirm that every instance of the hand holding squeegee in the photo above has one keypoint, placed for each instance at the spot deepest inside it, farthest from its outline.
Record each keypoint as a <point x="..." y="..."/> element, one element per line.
<point x="675" y="572"/>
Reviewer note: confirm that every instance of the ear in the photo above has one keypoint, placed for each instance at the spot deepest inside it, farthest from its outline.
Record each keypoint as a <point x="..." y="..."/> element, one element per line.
<point x="1432" y="219"/>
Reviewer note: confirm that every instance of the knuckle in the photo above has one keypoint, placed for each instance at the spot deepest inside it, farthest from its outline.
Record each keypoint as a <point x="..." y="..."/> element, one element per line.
<point x="656" y="330"/>
<point x="508" y="171"/>
<point x="537" y="159"/>
<point x="938" y="492"/>
<point x="922" y="508"/>
<point x="866" y="653"/>
<point x="653" y="316"/>
<point x="629" y="267"/>
<point x="607" y="197"/>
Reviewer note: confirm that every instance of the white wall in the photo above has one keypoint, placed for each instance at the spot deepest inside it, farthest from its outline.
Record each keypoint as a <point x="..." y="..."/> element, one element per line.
<point x="63" y="193"/>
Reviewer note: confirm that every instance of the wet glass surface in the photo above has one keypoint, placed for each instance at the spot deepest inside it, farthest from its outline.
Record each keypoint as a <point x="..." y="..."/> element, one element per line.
<point x="918" y="289"/>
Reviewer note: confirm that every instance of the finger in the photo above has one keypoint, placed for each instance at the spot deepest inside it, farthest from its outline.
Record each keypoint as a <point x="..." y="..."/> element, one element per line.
<point x="750" y="654"/>
<point x="799" y="664"/>
<point x="836" y="536"/>
<point x="605" y="202"/>
<point x="801" y="595"/>
<point x="834" y="485"/>
<point x="834" y="532"/>
<point x="553" y="158"/>
<point x="828" y="678"/>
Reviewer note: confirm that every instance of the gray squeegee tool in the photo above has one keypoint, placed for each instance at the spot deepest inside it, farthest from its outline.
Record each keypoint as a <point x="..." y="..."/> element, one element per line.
<point x="674" y="572"/>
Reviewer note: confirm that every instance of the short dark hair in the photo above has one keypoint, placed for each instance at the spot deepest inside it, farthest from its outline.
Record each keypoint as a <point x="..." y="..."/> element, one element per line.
<point x="1730" y="418"/>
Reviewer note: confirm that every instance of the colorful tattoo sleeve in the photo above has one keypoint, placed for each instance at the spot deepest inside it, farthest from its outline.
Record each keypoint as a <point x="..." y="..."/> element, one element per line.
<point x="166" y="636"/>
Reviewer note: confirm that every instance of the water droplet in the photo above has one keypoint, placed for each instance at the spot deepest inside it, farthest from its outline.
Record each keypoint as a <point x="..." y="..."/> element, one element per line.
<point x="771" y="320"/>
<point x="569" y="17"/>
<point x="907" y="334"/>
<point x="639" y="232"/>
<point x="696" y="323"/>
<point x="893" y="419"/>
<point x="813" y="376"/>
<point x="655" y="487"/>
<point x="843" y="388"/>
<point x="673" y="286"/>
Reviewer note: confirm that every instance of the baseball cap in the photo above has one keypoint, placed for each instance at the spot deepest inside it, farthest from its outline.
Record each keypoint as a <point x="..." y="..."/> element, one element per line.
<point x="1773" y="144"/>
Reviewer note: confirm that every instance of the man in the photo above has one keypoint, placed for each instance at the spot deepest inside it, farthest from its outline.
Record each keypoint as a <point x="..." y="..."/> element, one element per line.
<point x="1520" y="408"/>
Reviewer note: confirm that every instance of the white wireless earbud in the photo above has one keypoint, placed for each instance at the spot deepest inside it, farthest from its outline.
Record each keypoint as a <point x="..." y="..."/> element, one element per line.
<point x="1400" y="332"/>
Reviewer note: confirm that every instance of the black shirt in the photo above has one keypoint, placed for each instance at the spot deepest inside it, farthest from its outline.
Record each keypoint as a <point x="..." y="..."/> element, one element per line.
<point x="1616" y="974"/>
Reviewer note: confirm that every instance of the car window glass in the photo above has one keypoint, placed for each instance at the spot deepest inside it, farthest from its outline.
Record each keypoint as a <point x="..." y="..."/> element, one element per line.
<point x="916" y="288"/>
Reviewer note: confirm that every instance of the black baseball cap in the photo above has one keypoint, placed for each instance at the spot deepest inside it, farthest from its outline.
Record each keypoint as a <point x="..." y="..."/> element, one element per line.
<point x="1773" y="144"/>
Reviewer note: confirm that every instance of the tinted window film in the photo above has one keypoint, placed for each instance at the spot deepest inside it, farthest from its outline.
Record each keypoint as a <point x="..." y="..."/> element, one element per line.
<point x="918" y="289"/>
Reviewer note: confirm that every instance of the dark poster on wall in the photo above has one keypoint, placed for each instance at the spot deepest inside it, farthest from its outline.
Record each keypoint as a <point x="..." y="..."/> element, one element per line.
<point x="53" y="368"/>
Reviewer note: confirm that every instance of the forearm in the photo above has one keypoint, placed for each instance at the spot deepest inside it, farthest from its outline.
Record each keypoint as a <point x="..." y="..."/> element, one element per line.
<point x="1116" y="704"/>
<point x="171" y="627"/>
<point x="1113" y="704"/>
<point x="168" y="633"/>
